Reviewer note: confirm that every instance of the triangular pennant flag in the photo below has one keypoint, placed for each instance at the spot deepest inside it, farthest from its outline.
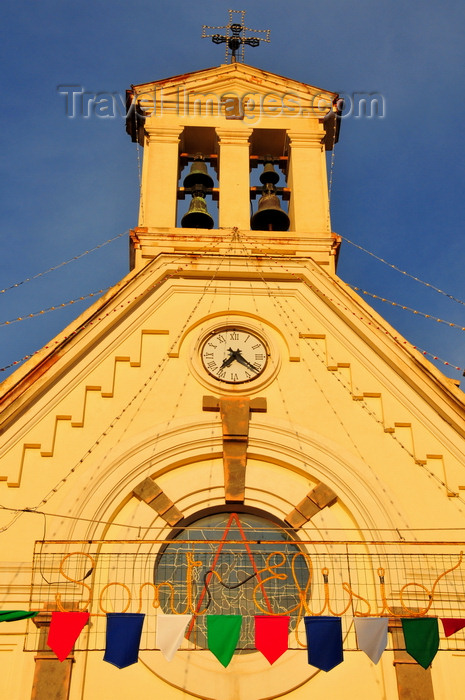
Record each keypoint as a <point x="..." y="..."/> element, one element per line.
<point x="222" y="635"/>
<point x="324" y="639"/>
<point x="11" y="615"/>
<point x="452" y="625"/>
<point x="372" y="636"/>
<point x="170" y="633"/>
<point x="421" y="636"/>
<point x="123" y="638"/>
<point x="65" y="628"/>
<point x="271" y="635"/>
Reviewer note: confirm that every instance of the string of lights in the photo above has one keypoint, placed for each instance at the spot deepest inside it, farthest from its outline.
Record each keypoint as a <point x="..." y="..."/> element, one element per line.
<point x="406" y="308"/>
<point x="428" y="353"/>
<point x="290" y="322"/>
<point x="364" y="405"/>
<point x="403" y="272"/>
<point x="62" y="264"/>
<point x="436" y="357"/>
<point x="103" y="522"/>
<point x="92" y="321"/>
<point x="433" y="355"/>
<point x="155" y="376"/>
<point x="101" y="291"/>
<point x="54" y="308"/>
<point x="399" y="340"/>
<point x="156" y="371"/>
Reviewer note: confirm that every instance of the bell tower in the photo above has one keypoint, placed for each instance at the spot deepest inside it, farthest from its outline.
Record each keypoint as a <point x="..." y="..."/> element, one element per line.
<point x="233" y="147"/>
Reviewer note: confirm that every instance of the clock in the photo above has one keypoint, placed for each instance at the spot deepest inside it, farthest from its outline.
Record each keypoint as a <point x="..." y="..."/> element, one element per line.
<point x="234" y="355"/>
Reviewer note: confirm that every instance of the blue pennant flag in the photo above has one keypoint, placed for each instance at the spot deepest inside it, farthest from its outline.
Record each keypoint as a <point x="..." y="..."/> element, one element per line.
<point x="123" y="638"/>
<point x="324" y="640"/>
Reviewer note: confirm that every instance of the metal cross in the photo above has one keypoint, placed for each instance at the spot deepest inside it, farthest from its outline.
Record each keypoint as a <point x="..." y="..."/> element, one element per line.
<point x="233" y="38"/>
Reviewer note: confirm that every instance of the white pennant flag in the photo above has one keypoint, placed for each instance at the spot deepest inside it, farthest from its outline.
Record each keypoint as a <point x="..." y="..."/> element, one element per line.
<point x="170" y="633"/>
<point x="372" y="635"/>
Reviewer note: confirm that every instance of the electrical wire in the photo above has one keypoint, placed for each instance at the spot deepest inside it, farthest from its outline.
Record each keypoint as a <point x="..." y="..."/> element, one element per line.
<point x="193" y="526"/>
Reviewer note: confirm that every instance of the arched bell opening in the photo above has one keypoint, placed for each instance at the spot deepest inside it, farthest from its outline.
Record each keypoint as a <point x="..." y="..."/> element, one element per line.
<point x="270" y="216"/>
<point x="269" y="189"/>
<point x="198" y="192"/>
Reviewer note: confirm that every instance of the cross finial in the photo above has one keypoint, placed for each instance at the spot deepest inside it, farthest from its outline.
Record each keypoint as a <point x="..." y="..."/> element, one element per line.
<point x="234" y="38"/>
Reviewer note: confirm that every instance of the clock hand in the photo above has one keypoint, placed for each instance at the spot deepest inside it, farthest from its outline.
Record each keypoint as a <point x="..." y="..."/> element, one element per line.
<point x="229" y="359"/>
<point x="243" y="361"/>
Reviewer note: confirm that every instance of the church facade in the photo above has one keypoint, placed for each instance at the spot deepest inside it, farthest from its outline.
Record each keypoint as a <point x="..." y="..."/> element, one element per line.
<point x="231" y="430"/>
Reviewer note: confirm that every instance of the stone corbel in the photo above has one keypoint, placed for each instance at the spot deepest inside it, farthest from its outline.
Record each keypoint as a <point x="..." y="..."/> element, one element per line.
<point x="235" y="417"/>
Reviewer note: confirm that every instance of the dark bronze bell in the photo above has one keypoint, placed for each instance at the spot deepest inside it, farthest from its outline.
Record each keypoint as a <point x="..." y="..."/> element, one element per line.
<point x="198" y="175"/>
<point x="269" y="215"/>
<point x="197" y="216"/>
<point x="269" y="175"/>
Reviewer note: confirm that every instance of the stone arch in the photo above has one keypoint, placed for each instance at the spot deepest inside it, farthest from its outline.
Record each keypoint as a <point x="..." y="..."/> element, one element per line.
<point x="300" y="458"/>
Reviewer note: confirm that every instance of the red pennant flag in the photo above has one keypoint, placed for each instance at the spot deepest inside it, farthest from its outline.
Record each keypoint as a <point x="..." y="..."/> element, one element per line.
<point x="271" y="635"/>
<point x="452" y="625"/>
<point x="65" y="628"/>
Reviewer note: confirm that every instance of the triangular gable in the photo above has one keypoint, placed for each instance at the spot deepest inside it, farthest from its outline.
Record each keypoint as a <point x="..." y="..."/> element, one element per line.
<point x="239" y="74"/>
<point x="124" y="304"/>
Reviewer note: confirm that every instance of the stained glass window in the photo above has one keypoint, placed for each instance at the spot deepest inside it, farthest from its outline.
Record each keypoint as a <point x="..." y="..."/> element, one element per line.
<point x="231" y="564"/>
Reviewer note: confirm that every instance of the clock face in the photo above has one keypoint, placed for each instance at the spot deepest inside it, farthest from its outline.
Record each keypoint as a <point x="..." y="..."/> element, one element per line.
<point x="234" y="355"/>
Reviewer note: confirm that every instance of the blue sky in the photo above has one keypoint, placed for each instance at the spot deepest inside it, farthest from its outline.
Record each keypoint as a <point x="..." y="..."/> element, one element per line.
<point x="71" y="184"/>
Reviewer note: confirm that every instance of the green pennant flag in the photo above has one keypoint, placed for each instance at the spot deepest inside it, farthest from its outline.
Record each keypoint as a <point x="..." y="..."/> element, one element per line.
<point x="223" y="634"/>
<point x="11" y="615"/>
<point x="421" y="636"/>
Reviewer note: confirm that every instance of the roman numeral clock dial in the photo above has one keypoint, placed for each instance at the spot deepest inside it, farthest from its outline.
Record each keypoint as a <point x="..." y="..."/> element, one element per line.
<point x="234" y="355"/>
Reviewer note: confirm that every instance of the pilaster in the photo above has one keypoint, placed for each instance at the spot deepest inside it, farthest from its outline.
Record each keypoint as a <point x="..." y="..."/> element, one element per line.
<point x="307" y="180"/>
<point x="160" y="176"/>
<point x="234" y="178"/>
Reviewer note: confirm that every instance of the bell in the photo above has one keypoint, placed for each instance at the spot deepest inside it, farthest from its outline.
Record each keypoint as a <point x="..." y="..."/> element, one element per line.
<point x="197" y="216"/>
<point x="198" y="175"/>
<point x="269" y="175"/>
<point x="269" y="215"/>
